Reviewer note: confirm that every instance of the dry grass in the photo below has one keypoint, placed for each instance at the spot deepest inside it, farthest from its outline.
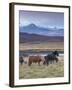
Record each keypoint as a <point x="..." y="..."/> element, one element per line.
<point x="35" y="71"/>
<point x="42" y="46"/>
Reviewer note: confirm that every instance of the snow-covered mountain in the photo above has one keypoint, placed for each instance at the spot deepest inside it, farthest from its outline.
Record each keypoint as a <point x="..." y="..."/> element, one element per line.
<point x="33" y="29"/>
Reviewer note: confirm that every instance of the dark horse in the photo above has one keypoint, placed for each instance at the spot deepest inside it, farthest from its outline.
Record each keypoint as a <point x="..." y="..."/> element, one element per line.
<point x="34" y="59"/>
<point x="50" y="58"/>
<point x="21" y="60"/>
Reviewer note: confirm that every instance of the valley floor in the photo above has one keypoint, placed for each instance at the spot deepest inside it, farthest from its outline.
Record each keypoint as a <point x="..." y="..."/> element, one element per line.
<point x="42" y="71"/>
<point x="42" y="46"/>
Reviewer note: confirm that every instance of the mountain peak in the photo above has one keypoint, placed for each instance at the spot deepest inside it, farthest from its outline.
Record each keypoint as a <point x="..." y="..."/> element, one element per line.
<point x="32" y="25"/>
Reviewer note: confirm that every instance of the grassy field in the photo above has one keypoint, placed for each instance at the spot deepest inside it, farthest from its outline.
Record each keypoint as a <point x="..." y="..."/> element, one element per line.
<point x="35" y="71"/>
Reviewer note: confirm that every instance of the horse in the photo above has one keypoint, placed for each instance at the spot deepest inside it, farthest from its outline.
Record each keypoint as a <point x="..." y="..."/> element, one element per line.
<point x="21" y="60"/>
<point x="34" y="59"/>
<point x="50" y="58"/>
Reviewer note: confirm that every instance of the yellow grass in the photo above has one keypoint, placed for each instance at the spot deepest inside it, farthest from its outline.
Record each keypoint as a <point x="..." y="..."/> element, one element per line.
<point x="36" y="71"/>
<point x="42" y="46"/>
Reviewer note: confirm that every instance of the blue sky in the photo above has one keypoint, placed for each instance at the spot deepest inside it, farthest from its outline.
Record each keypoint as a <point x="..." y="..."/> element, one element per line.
<point x="42" y="19"/>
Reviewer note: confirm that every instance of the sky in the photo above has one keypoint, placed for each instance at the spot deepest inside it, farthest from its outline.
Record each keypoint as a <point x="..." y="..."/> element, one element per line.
<point x="42" y="19"/>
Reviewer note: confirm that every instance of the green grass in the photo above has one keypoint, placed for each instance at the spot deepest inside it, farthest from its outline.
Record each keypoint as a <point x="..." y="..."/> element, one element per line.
<point x="35" y="71"/>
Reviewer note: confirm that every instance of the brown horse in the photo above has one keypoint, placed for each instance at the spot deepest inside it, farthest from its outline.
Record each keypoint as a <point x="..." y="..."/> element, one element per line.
<point x="34" y="59"/>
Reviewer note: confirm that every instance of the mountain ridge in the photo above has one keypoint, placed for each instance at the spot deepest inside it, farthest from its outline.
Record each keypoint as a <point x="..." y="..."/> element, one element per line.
<point x="32" y="28"/>
<point x="26" y="37"/>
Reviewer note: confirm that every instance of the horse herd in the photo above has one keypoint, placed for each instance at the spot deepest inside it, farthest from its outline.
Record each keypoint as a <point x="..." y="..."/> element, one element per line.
<point x="46" y="60"/>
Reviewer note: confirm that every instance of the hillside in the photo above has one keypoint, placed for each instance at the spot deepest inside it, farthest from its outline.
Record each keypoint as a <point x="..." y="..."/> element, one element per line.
<point x="26" y="37"/>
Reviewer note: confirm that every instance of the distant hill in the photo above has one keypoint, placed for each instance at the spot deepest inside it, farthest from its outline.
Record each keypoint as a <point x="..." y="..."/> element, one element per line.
<point x="34" y="29"/>
<point x="26" y="37"/>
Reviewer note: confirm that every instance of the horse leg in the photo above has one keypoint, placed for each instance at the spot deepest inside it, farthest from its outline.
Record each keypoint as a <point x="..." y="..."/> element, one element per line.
<point x="44" y="63"/>
<point x="21" y="63"/>
<point x="56" y="60"/>
<point x="53" y="61"/>
<point x="47" y="63"/>
<point x="39" y="63"/>
<point x="50" y="61"/>
<point x="29" y="63"/>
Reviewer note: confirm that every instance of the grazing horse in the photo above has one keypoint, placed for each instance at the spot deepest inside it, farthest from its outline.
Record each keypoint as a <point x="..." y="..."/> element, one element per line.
<point x="21" y="60"/>
<point x="50" y="58"/>
<point x="34" y="59"/>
